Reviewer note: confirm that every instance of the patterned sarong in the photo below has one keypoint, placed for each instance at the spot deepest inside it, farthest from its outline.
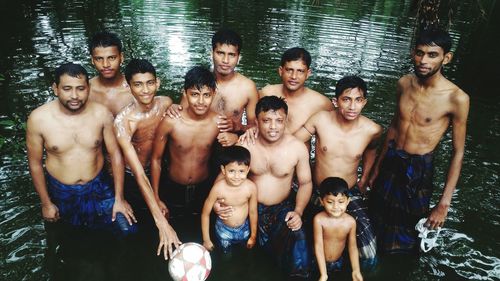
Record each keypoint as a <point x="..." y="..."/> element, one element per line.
<point x="288" y="247"/>
<point x="228" y="236"/>
<point x="365" y="237"/>
<point x="88" y="205"/>
<point x="400" y="197"/>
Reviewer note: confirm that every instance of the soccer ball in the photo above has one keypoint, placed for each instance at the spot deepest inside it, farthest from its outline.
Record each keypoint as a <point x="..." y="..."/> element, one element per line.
<point x="190" y="262"/>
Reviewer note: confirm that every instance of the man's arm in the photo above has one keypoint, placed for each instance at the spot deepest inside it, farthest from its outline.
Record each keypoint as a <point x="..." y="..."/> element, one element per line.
<point x="159" y="143"/>
<point x="253" y="98"/>
<point x="306" y="132"/>
<point x="167" y="235"/>
<point x="459" y="125"/>
<point x="34" y="145"/>
<point x="303" y="172"/>
<point x="117" y="165"/>
<point x="319" y="249"/>
<point x="369" y="156"/>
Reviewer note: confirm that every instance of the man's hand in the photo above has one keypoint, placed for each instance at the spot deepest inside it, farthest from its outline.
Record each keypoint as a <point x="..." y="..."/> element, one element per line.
<point x="174" y="111"/>
<point x="50" y="212"/>
<point x="224" y="124"/>
<point x="122" y="206"/>
<point x="293" y="220"/>
<point x="251" y="242"/>
<point x="222" y="210"/>
<point x="323" y="278"/>
<point x="437" y="217"/>
<point x="356" y="276"/>
<point x="208" y="245"/>
<point x="227" y="139"/>
<point x="168" y="239"/>
<point x="250" y="136"/>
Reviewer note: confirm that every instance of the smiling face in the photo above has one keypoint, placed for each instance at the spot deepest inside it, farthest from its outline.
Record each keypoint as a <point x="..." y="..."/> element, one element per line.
<point x="72" y="92"/>
<point x="225" y="58"/>
<point x="294" y="74"/>
<point x="428" y="60"/>
<point x="350" y="103"/>
<point x="107" y="61"/>
<point x="271" y="124"/>
<point x="144" y="87"/>
<point x="335" y="205"/>
<point x="199" y="100"/>
<point x="235" y="174"/>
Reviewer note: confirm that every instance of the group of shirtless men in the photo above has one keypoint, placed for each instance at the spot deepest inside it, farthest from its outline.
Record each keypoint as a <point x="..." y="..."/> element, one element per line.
<point x="122" y="112"/>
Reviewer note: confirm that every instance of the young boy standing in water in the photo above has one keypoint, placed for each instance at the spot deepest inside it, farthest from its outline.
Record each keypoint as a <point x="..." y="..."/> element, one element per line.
<point x="189" y="140"/>
<point x="135" y="127"/>
<point x="333" y="229"/>
<point x="241" y="194"/>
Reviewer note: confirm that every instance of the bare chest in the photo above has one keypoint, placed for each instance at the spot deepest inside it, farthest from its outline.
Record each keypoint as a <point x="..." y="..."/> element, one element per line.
<point x="66" y="136"/>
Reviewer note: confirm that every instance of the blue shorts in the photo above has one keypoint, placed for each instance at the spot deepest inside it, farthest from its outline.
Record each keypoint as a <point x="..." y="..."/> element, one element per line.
<point x="332" y="266"/>
<point x="227" y="236"/>
<point x="88" y="205"/>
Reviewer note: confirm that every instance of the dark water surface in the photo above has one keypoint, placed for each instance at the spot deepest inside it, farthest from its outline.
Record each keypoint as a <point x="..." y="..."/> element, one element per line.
<point x="369" y="38"/>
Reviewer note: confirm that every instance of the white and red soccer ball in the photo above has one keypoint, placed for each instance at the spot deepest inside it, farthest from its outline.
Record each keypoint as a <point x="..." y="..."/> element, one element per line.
<point x="190" y="262"/>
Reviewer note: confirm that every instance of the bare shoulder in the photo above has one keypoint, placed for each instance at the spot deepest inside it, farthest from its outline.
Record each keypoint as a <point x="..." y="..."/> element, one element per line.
<point x="294" y="144"/>
<point x="459" y="97"/>
<point x="405" y="80"/>
<point x="164" y="101"/>
<point x="370" y="125"/>
<point x="124" y="114"/>
<point x="320" y="217"/>
<point x="349" y="220"/>
<point x="271" y="90"/>
<point x="245" y="82"/>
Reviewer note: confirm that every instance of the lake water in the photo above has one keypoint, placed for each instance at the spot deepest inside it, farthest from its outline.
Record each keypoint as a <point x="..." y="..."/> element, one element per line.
<point x="370" y="38"/>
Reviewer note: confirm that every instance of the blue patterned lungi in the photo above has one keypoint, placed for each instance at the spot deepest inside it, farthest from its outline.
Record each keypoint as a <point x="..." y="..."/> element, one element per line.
<point x="288" y="247"/>
<point x="228" y="236"/>
<point x="88" y="205"/>
<point x="400" y="197"/>
<point x="365" y="237"/>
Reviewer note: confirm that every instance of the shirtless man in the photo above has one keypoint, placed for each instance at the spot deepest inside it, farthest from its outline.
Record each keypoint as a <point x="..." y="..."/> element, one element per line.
<point x="235" y="92"/>
<point x="427" y="104"/>
<point x="109" y="87"/>
<point x="135" y="128"/>
<point x="189" y="139"/>
<point x="71" y="130"/>
<point x="344" y="137"/>
<point x="276" y="157"/>
<point x="302" y="102"/>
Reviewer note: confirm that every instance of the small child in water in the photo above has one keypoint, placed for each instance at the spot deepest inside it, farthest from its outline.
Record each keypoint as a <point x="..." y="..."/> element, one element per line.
<point x="238" y="192"/>
<point x="333" y="229"/>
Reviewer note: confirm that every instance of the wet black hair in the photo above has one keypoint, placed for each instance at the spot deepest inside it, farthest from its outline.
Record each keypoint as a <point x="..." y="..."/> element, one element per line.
<point x="438" y="37"/>
<point x="71" y="69"/>
<point x="333" y="186"/>
<point x="270" y="103"/>
<point x="105" y="39"/>
<point x="227" y="36"/>
<point x="234" y="153"/>
<point x="199" y="77"/>
<point x="350" y="82"/>
<point x="138" y="66"/>
<point x="294" y="54"/>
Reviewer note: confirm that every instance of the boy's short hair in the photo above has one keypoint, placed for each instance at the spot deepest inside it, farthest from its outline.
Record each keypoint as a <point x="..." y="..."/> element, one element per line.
<point x="234" y="153"/>
<point x="333" y="186"/>
<point x="227" y="36"/>
<point x="199" y="77"/>
<point x="105" y="39"/>
<point x="436" y="36"/>
<point x="350" y="82"/>
<point x="294" y="54"/>
<point x="270" y="103"/>
<point x="70" y="69"/>
<point x="138" y="66"/>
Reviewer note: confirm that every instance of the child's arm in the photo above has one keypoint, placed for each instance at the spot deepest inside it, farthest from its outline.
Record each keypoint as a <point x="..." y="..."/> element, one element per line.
<point x="253" y="214"/>
<point x="319" y="248"/>
<point x="353" y="253"/>
<point x="205" y="218"/>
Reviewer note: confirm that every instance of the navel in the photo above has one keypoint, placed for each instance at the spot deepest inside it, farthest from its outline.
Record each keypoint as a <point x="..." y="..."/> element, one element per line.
<point x="427" y="120"/>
